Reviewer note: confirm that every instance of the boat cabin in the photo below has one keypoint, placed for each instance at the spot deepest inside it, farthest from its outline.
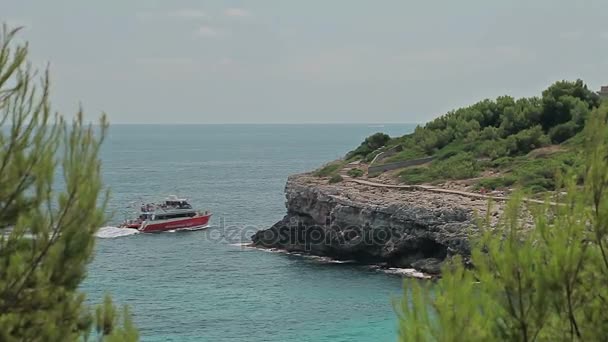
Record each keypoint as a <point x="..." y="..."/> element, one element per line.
<point x="179" y="203"/>
<point x="172" y="208"/>
<point x="166" y="215"/>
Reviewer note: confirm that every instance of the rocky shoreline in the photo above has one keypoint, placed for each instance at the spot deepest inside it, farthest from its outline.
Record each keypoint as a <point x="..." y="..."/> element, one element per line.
<point x="395" y="228"/>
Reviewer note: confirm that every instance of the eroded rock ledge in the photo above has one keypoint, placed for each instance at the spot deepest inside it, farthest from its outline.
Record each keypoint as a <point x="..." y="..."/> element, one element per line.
<point x="394" y="227"/>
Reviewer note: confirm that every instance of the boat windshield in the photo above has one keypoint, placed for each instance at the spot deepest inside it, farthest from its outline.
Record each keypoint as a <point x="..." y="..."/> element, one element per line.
<point x="181" y="204"/>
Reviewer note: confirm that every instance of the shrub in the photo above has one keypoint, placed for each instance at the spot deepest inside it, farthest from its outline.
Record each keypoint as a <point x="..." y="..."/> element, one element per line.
<point x="496" y="182"/>
<point x="452" y="150"/>
<point x="493" y="148"/>
<point x="329" y="169"/>
<point x="369" y="145"/>
<point x="534" y="280"/>
<point x="416" y="175"/>
<point x="562" y="99"/>
<point x="355" y="173"/>
<point x="502" y="162"/>
<point x="539" y="175"/>
<point x="530" y="139"/>
<point x="460" y="166"/>
<point x="407" y="154"/>
<point x="563" y="132"/>
<point x="335" y="179"/>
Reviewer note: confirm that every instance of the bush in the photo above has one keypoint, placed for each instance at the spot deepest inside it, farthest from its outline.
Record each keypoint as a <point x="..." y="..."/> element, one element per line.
<point x="369" y="145"/>
<point x="502" y="162"/>
<point x="493" y="149"/>
<point x="329" y="169"/>
<point x="452" y="150"/>
<point x="530" y="139"/>
<point x="355" y="173"/>
<point x="460" y="166"/>
<point x="563" y="132"/>
<point x="540" y="174"/>
<point x="541" y="279"/>
<point x="335" y="179"/>
<point x="407" y="154"/>
<point x="416" y="175"/>
<point x="563" y="99"/>
<point x="496" y="182"/>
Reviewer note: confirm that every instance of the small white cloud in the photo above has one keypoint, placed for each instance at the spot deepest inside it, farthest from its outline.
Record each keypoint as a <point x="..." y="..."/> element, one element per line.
<point x="207" y="31"/>
<point x="237" y="12"/>
<point x="188" y="14"/>
<point x="604" y="35"/>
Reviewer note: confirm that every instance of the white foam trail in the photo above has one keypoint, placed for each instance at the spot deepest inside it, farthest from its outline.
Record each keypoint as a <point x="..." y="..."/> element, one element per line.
<point x="408" y="272"/>
<point x="242" y="244"/>
<point x="328" y="260"/>
<point x="114" y="232"/>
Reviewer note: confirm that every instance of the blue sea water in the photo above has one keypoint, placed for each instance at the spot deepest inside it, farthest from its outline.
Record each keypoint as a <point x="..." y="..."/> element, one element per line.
<point x="204" y="286"/>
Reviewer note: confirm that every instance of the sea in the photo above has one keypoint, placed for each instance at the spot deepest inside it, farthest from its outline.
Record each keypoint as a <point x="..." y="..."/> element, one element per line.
<point x="207" y="285"/>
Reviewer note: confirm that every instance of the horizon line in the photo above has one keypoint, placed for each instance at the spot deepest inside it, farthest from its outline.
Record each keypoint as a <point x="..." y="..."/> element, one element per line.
<point x="265" y="123"/>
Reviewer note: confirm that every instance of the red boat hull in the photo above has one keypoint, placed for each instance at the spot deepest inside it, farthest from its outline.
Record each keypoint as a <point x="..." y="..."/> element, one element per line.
<point x="175" y="224"/>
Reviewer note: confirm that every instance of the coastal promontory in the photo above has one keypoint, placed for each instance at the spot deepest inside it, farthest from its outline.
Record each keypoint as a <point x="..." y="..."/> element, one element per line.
<point x="391" y="226"/>
<point x="413" y="201"/>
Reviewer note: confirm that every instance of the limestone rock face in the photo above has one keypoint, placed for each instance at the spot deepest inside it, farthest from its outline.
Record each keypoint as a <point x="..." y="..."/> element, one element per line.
<point x="398" y="228"/>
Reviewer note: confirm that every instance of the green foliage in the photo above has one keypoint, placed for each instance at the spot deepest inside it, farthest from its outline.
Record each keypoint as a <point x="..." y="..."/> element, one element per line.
<point x="529" y="139"/>
<point x="416" y="175"/>
<point x="534" y="174"/>
<point x="106" y="319"/>
<point x="561" y="98"/>
<point x="539" y="175"/>
<point x="329" y="169"/>
<point x="407" y="154"/>
<point x="47" y="234"/>
<point x="539" y="280"/>
<point x="525" y="113"/>
<point x="508" y="127"/>
<point x="335" y="179"/>
<point x="452" y="150"/>
<point x="494" y="183"/>
<point x="497" y="129"/>
<point x="563" y="132"/>
<point x="369" y="145"/>
<point x="355" y="173"/>
<point x="460" y="166"/>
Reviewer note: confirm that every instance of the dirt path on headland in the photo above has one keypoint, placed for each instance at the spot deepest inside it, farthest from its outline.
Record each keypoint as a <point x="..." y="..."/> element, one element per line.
<point x="438" y="190"/>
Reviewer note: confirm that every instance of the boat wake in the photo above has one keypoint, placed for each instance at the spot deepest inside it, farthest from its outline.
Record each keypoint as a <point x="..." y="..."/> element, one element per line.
<point x="114" y="232"/>
<point x="406" y="272"/>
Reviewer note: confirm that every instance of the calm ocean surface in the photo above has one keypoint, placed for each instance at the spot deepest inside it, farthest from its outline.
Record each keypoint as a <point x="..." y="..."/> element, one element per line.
<point x="202" y="286"/>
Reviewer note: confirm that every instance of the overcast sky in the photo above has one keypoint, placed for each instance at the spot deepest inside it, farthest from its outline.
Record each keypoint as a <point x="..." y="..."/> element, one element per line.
<point x="281" y="61"/>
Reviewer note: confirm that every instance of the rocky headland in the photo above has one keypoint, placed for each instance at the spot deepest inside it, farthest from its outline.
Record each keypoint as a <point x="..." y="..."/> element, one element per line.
<point x="393" y="227"/>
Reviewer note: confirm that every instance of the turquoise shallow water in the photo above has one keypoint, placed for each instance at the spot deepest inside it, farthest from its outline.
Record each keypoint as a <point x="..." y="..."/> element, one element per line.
<point x="203" y="286"/>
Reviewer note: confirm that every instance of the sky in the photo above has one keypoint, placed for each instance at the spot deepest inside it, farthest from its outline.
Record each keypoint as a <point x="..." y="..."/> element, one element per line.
<point x="312" y="61"/>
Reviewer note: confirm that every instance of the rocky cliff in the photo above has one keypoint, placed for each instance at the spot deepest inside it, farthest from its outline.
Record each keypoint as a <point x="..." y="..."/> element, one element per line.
<point x="394" y="227"/>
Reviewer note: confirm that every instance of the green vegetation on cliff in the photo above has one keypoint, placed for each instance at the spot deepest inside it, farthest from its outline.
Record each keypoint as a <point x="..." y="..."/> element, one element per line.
<point x="546" y="282"/>
<point x="502" y="135"/>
